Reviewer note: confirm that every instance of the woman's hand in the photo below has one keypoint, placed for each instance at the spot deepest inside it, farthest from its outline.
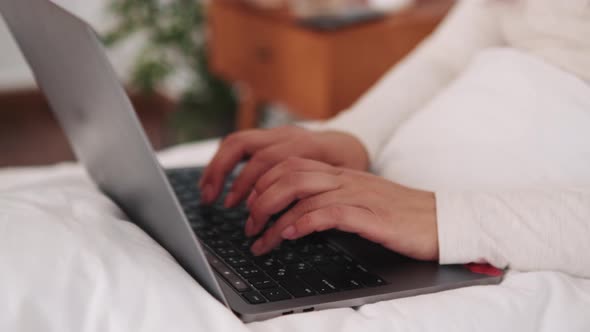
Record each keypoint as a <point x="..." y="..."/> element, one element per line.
<point x="266" y="148"/>
<point x="399" y="218"/>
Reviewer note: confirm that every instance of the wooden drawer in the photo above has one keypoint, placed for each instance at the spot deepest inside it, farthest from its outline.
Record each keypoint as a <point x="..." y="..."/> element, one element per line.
<point x="316" y="74"/>
<point x="277" y="61"/>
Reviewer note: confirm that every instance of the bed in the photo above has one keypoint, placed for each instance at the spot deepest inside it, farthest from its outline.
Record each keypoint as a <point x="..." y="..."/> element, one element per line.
<point x="71" y="262"/>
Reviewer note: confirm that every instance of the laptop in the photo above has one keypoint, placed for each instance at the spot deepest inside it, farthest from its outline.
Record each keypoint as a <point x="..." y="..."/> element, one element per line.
<point x="322" y="271"/>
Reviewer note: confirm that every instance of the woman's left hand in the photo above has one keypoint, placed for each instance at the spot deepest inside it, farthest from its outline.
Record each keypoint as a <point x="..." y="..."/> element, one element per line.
<point x="399" y="218"/>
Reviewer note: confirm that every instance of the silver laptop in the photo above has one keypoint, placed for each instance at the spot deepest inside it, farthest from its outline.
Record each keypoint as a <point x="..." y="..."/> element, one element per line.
<point x="328" y="270"/>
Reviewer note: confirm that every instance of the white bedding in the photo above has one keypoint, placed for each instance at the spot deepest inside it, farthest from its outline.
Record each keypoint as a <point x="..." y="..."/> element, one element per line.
<point x="70" y="262"/>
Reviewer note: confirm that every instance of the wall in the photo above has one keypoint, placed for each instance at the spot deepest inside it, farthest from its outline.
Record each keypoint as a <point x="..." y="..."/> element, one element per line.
<point x="14" y="72"/>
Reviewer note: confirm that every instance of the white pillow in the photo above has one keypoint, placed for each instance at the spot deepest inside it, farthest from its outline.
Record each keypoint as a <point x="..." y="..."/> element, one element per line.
<point x="509" y="121"/>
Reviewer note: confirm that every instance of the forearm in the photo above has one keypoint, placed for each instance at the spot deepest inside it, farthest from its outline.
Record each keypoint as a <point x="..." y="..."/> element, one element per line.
<point x="529" y="230"/>
<point x="407" y="87"/>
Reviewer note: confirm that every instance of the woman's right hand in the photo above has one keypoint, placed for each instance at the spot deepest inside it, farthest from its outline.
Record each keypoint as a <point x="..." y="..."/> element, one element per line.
<point x="263" y="149"/>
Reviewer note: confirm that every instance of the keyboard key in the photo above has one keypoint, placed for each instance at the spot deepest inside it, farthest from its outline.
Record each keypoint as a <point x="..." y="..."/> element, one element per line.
<point x="225" y="251"/>
<point x="193" y="217"/>
<point x="227" y="227"/>
<point x="268" y="263"/>
<point x="199" y="227"/>
<point x="217" y="243"/>
<point x="254" y="297"/>
<point x="344" y="276"/>
<point x="207" y="234"/>
<point x="218" y="209"/>
<point x="295" y="243"/>
<point x="306" y="250"/>
<point x="367" y="278"/>
<point x="370" y="280"/>
<point x="237" y="261"/>
<point x="359" y="267"/>
<point x="235" y="214"/>
<point x="298" y="268"/>
<point x="277" y="274"/>
<point x="324" y="249"/>
<point x="217" y="219"/>
<point x="192" y="206"/>
<point x="320" y="283"/>
<point x="236" y="282"/>
<point x="288" y="257"/>
<point x="319" y="260"/>
<point x="331" y="269"/>
<point x="233" y="279"/>
<point x="347" y="282"/>
<point x="249" y="271"/>
<point x="276" y="294"/>
<point x="243" y="244"/>
<point x="237" y="235"/>
<point x="262" y="283"/>
<point x="185" y="196"/>
<point x="297" y="288"/>
<point x="341" y="259"/>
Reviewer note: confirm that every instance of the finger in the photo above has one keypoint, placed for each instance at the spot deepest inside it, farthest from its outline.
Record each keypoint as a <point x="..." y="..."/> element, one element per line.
<point x="288" y="189"/>
<point x="251" y="199"/>
<point x="232" y="150"/>
<point x="258" y="138"/>
<point x="261" y="161"/>
<point x="302" y="207"/>
<point x="346" y="218"/>
<point x="290" y="165"/>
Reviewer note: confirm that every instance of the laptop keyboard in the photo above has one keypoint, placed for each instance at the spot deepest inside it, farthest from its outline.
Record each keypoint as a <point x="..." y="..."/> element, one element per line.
<point x="300" y="268"/>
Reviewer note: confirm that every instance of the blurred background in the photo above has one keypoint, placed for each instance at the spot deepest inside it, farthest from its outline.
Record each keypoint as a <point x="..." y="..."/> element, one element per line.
<point x="195" y="69"/>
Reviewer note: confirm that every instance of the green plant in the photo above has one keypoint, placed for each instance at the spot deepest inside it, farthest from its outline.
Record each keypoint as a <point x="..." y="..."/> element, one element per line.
<point x="173" y="35"/>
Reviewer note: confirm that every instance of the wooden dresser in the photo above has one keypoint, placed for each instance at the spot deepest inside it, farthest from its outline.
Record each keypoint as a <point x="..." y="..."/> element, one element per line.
<point x="315" y="73"/>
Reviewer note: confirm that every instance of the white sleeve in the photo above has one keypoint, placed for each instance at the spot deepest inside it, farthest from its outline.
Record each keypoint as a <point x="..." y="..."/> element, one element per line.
<point x="470" y="27"/>
<point x="529" y="230"/>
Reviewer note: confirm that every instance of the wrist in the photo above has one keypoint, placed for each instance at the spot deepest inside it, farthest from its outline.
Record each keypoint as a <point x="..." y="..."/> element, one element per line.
<point x="431" y="226"/>
<point x="423" y="217"/>
<point x="344" y="150"/>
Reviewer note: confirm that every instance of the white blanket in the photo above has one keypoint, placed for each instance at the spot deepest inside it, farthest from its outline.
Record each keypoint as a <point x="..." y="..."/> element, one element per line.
<point x="70" y="262"/>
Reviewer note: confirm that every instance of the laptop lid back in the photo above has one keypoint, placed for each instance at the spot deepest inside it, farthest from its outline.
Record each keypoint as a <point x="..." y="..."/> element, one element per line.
<point x="71" y="68"/>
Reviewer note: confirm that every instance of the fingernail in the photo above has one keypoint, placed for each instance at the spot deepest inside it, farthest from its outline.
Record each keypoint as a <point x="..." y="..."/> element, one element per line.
<point x="251" y="198"/>
<point x="229" y="200"/>
<point x="249" y="227"/>
<point x="257" y="247"/>
<point x="289" y="233"/>
<point x="207" y="193"/>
